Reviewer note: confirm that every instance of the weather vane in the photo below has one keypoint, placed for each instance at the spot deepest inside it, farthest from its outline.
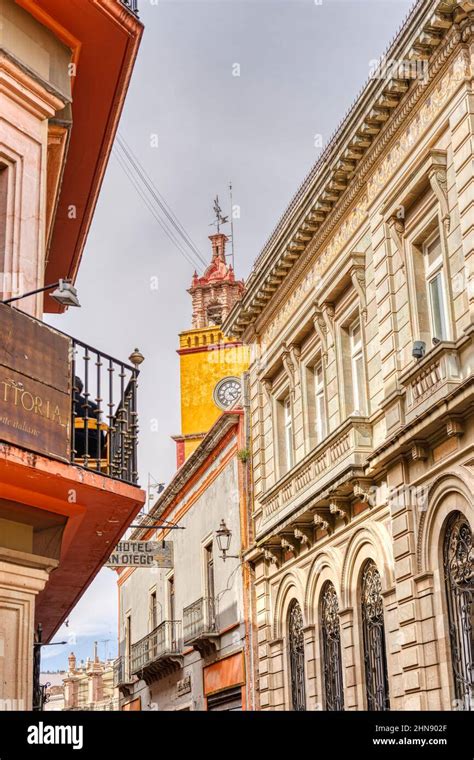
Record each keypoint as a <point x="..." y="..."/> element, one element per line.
<point x="218" y="212"/>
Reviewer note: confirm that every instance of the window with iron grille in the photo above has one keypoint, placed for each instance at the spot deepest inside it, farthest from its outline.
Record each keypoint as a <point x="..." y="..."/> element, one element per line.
<point x="297" y="659"/>
<point x="331" y="646"/>
<point x="375" y="658"/>
<point x="459" y="584"/>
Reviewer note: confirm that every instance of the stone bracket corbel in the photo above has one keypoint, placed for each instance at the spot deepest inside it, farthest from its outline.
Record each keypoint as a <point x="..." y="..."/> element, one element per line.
<point x="321" y="329"/>
<point x="364" y="490"/>
<point x="267" y="386"/>
<point x="419" y="451"/>
<point x="288" y="545"/>
<point x="340" y="508"/>
<point x="396" y="228"/>
<point x="358" y="280"/>
<point x="321" y="523"/>
<point x="439" y="185"/>
<point x="273" y="555"/>
<point x="454" y="427"/>
<point x="327" y="309"/>
<point x="304" y="536"/>
<point x="290" y="358"/>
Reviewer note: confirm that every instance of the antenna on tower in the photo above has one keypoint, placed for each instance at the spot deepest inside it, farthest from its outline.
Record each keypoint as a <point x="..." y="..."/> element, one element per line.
<point x="232" y="226"/>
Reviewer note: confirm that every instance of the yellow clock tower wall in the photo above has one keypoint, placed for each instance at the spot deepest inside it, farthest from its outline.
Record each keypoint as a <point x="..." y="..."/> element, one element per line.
<point x="211" y="365"/>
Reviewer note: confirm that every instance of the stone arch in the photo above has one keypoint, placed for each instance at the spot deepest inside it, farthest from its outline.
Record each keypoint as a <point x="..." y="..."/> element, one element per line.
<point x="289" y="588"/>
<point x="369" y="542"/>
<point x="447" y="494"/>
<point x="326" y="566"/>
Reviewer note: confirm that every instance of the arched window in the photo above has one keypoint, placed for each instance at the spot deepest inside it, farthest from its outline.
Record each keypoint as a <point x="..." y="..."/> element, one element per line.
<point x="296" y="649"/>
<point x="375" y="658"/>
<point x="331" y="640"/>
<point x="459" y="582"/>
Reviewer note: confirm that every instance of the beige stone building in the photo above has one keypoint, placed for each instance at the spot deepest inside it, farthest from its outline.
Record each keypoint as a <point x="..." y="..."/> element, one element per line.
<point x="90" y="685"/>
<point x="360" y="313"/>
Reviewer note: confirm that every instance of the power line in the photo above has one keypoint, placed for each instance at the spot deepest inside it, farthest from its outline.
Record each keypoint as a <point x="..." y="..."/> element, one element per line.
<point x="152" y="210"/>
<point x="158" y="198"/>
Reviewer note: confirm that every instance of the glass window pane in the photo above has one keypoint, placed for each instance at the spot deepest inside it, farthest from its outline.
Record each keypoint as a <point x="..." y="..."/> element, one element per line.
<point x="433" y="252"/>
<point x="438" y="316"/>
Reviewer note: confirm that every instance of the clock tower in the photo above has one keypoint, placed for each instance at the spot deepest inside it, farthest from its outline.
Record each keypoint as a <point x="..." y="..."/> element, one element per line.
<point x="211" y="365"/>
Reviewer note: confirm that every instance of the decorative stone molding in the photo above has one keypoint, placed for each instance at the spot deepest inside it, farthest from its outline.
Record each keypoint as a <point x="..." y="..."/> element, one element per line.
<point x="334" y="191"/>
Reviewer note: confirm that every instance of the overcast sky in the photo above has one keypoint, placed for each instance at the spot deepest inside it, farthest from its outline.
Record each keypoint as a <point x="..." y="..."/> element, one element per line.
<point x="301" y="64"/>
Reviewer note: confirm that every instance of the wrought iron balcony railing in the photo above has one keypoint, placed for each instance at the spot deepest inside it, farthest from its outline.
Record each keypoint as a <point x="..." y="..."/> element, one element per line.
<point x="122" y="675"/>
<point x="104" y="413"/>
<point x="199" y="620"/>
<point x="132" y="6"/>
<point x="157" y="649"/>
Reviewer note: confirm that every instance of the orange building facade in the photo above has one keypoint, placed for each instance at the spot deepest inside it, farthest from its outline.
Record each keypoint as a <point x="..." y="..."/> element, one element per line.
<point x="68" y="415"/>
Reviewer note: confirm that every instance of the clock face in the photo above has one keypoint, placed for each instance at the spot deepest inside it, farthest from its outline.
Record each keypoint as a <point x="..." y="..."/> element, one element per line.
<point x="227" y="392"/>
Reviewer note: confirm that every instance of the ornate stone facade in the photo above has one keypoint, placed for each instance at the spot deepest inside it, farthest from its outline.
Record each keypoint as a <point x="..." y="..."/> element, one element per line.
<point x="361" y="311"/>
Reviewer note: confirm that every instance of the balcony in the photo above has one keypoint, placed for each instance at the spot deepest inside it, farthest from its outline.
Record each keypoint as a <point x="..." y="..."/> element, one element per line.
<point x="79" y="406"/>
<point x="431" y="379"/>
<point x="68" y="443"/>
<point x="123" y="679"/>
<point x="158" y="653"/>
<point x="104" y="415"/>
<point x="343" y="452"/>
<point x="200" y="626"/>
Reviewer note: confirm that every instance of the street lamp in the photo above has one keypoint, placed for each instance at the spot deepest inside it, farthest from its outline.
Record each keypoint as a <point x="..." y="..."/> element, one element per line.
<point x="223" y="537"/>
<point x="64" y="293"/>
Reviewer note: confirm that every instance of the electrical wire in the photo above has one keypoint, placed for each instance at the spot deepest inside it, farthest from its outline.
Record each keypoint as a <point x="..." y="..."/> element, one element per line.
<point x="157" y="198"/>
<point x="152" y="210"/>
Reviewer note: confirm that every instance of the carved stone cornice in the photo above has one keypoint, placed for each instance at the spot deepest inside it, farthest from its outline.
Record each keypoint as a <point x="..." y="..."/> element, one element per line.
<point x="326" y="213"/>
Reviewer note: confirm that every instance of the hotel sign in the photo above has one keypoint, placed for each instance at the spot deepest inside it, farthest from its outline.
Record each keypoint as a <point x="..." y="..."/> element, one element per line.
<point x="35" y="385"/>
<point x="142" y="554"/>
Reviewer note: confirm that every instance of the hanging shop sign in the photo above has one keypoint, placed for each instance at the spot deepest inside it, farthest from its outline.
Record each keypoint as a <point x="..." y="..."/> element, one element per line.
<point x="142" y="554"/>
<point x="35" y="385"/>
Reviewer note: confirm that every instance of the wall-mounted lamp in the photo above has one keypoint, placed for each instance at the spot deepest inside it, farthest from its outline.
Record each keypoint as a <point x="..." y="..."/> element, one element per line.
<point x="419" y="349"/>
<point x="64" y="293"/>
<point x="223" y="537"/>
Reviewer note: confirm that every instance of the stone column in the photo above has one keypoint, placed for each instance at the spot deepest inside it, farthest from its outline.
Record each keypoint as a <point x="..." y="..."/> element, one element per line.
<point x="311" y="676"/>
<point x="19" y="585"/>
<point x="349" y="660"/>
